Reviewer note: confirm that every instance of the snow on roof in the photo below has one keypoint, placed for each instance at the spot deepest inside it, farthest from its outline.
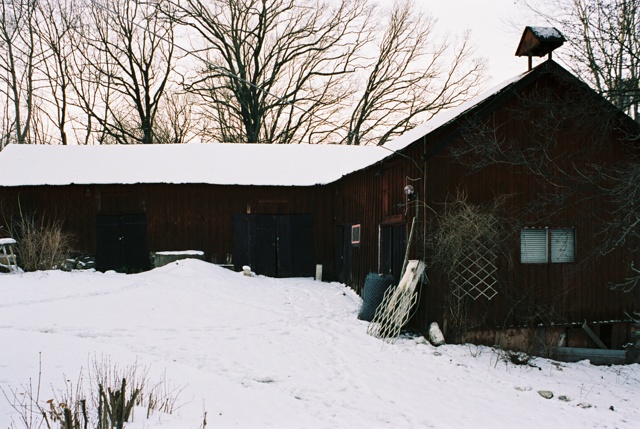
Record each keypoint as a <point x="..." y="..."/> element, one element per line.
<point x="208" y="163"/>
<point x="547" y="33"/>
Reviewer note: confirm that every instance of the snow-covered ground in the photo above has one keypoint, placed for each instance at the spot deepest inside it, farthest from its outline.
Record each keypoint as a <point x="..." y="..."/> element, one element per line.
<point x="256" y="352"/>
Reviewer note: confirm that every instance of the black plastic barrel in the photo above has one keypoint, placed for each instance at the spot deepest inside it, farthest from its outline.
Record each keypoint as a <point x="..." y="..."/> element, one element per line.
<point x="375" y="285"/>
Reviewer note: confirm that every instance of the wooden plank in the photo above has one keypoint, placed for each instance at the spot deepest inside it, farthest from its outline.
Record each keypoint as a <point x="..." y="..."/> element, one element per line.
<point x="593" y="336"/>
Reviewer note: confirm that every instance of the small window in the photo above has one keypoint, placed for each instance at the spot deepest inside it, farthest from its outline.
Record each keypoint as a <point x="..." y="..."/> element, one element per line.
<point x="533" y="246"/>
<point x="562" y="245"/>
<point x="547" y="245"/>
<point x="355" y="235"/>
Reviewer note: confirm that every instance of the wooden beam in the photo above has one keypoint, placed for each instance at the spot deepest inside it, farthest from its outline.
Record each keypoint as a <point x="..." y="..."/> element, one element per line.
<point x="593" y="336"/>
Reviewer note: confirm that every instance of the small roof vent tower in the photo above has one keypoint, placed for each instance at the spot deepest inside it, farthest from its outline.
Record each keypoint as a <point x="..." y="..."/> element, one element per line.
<point x="538" y="42"/>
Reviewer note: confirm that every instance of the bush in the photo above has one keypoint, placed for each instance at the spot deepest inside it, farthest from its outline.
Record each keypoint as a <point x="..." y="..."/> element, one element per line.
<point x="108" y="404"/>
<point x="467" y="242"/>
<point x="42" y="243"/>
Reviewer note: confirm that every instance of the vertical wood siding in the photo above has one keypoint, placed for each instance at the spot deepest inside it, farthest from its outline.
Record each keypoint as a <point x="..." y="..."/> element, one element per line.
<point x="179" y="217"/>
<point x="567" y="293"/>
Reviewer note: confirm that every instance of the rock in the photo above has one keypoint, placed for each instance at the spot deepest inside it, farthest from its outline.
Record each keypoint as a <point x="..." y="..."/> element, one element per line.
<point x="435" y="335"/>
<point x="564" y="398"/>
<point x="545" y="394"/>
<point x="523" y="388"/>
<point x="420" y="340"/>
<point x="584" y="405"/>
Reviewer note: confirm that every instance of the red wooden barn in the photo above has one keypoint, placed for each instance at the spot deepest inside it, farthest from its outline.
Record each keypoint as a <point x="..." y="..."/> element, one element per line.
<point x="286" y="209"/>
<point x="552" y="272"/>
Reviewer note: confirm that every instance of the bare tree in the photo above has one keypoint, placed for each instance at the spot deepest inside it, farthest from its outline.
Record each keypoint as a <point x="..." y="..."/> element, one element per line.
<point x="285" y="71"/>
<point x="624" y="191"/>
<point x="272" y="70"/>
<point x="125" y="68"/>
<point x="174" y="122"/>
<point x="57" y="20"/>
<point x="604" y="45"/>
<point x="91" y="88"/>
<point x="18" y="58"/>
<point x="413" y="78"/>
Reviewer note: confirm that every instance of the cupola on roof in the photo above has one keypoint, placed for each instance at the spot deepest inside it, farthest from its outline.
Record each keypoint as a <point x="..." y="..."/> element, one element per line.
<point x="539" y="41"/>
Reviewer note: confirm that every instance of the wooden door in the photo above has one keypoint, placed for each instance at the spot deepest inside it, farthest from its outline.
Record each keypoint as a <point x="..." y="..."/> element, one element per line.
<point x="121" y="243"/>
<point x="393" y="245"/>
<point x="343" y="254"/>
<point x="275" y="245"/>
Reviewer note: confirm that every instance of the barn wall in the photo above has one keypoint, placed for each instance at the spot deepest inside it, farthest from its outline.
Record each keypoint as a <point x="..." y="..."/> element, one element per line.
<point x="546" y="293"/>
<point x="179" y="217"/>
<point x="537" y="293"/>
<point x="375" y="199"/>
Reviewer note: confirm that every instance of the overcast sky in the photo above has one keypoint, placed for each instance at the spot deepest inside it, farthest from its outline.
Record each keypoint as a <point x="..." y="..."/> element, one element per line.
<point x="496" y="27"/>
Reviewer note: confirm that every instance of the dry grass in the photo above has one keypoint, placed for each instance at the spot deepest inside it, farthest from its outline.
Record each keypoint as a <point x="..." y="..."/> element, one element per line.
<point x="461" y="223"/>
<point x="42" y="243"/>
<point x="108" y="403"/>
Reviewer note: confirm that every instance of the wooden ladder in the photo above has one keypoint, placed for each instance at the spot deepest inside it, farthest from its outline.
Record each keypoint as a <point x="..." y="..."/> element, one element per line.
<point x="7" y="257"/>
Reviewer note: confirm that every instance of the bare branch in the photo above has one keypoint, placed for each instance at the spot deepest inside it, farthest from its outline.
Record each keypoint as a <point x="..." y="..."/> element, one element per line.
<point x="125" y="68"/>
<point x="274" y="71"/>
<point x="604" y="45"/>
<point x="414" y="77"/>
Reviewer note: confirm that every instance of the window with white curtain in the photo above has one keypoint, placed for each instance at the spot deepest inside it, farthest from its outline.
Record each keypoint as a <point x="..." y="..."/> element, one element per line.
<point x="547" y="245"/>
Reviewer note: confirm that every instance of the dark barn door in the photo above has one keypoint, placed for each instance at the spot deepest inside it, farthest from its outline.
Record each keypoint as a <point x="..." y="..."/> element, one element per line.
<point x="121" y="243"/>
<point x="343" y="254"/>
<point x="275" y="245"/>
<point x="295" y="254"/>
<point x="264" y="244"/>
<point x="393" y="243"/>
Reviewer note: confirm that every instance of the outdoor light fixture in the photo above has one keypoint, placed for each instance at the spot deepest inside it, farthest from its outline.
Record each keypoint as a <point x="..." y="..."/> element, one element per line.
<point x="409" y="191"/>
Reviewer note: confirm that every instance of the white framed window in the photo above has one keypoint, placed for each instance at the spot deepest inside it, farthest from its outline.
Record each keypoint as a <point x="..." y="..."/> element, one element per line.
<point x="547" y="245"/>
<point x="355" y="235"/>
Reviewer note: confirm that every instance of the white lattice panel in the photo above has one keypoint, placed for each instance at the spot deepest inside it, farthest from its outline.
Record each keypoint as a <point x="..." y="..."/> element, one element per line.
<point x="395" y="309"/>
<point x="475" y="275"/>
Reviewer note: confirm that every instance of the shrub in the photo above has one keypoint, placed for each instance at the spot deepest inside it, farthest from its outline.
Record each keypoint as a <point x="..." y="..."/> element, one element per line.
<point x="109" y="403"/>
<point x="466" y="243"/>
<point x="42" y="243"/>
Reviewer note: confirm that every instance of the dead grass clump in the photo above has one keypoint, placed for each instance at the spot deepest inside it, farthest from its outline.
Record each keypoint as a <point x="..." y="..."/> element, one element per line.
<point x="42" y="243"/>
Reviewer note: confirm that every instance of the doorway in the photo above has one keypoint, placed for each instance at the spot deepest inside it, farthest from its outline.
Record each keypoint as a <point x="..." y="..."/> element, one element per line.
<point x="393" y="245"/>
<point x="275" y="245"/>
<point x="121" y="243"/>
<point x="344" y="254"/>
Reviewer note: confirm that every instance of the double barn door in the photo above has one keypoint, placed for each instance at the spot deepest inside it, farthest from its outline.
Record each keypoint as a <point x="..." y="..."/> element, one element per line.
<point x="121" y="243"/>
<point x="275" y="245"/>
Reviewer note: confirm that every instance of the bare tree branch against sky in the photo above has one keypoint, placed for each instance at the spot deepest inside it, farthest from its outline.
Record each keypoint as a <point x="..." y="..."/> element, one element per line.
<point x="494" y="28"/>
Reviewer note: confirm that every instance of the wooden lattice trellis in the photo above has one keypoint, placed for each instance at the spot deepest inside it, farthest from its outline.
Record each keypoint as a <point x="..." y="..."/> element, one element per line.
<point x="475" y="275"/>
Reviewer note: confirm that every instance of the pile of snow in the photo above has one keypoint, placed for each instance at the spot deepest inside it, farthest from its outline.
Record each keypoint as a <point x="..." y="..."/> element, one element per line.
<point x="258" y="352"/>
